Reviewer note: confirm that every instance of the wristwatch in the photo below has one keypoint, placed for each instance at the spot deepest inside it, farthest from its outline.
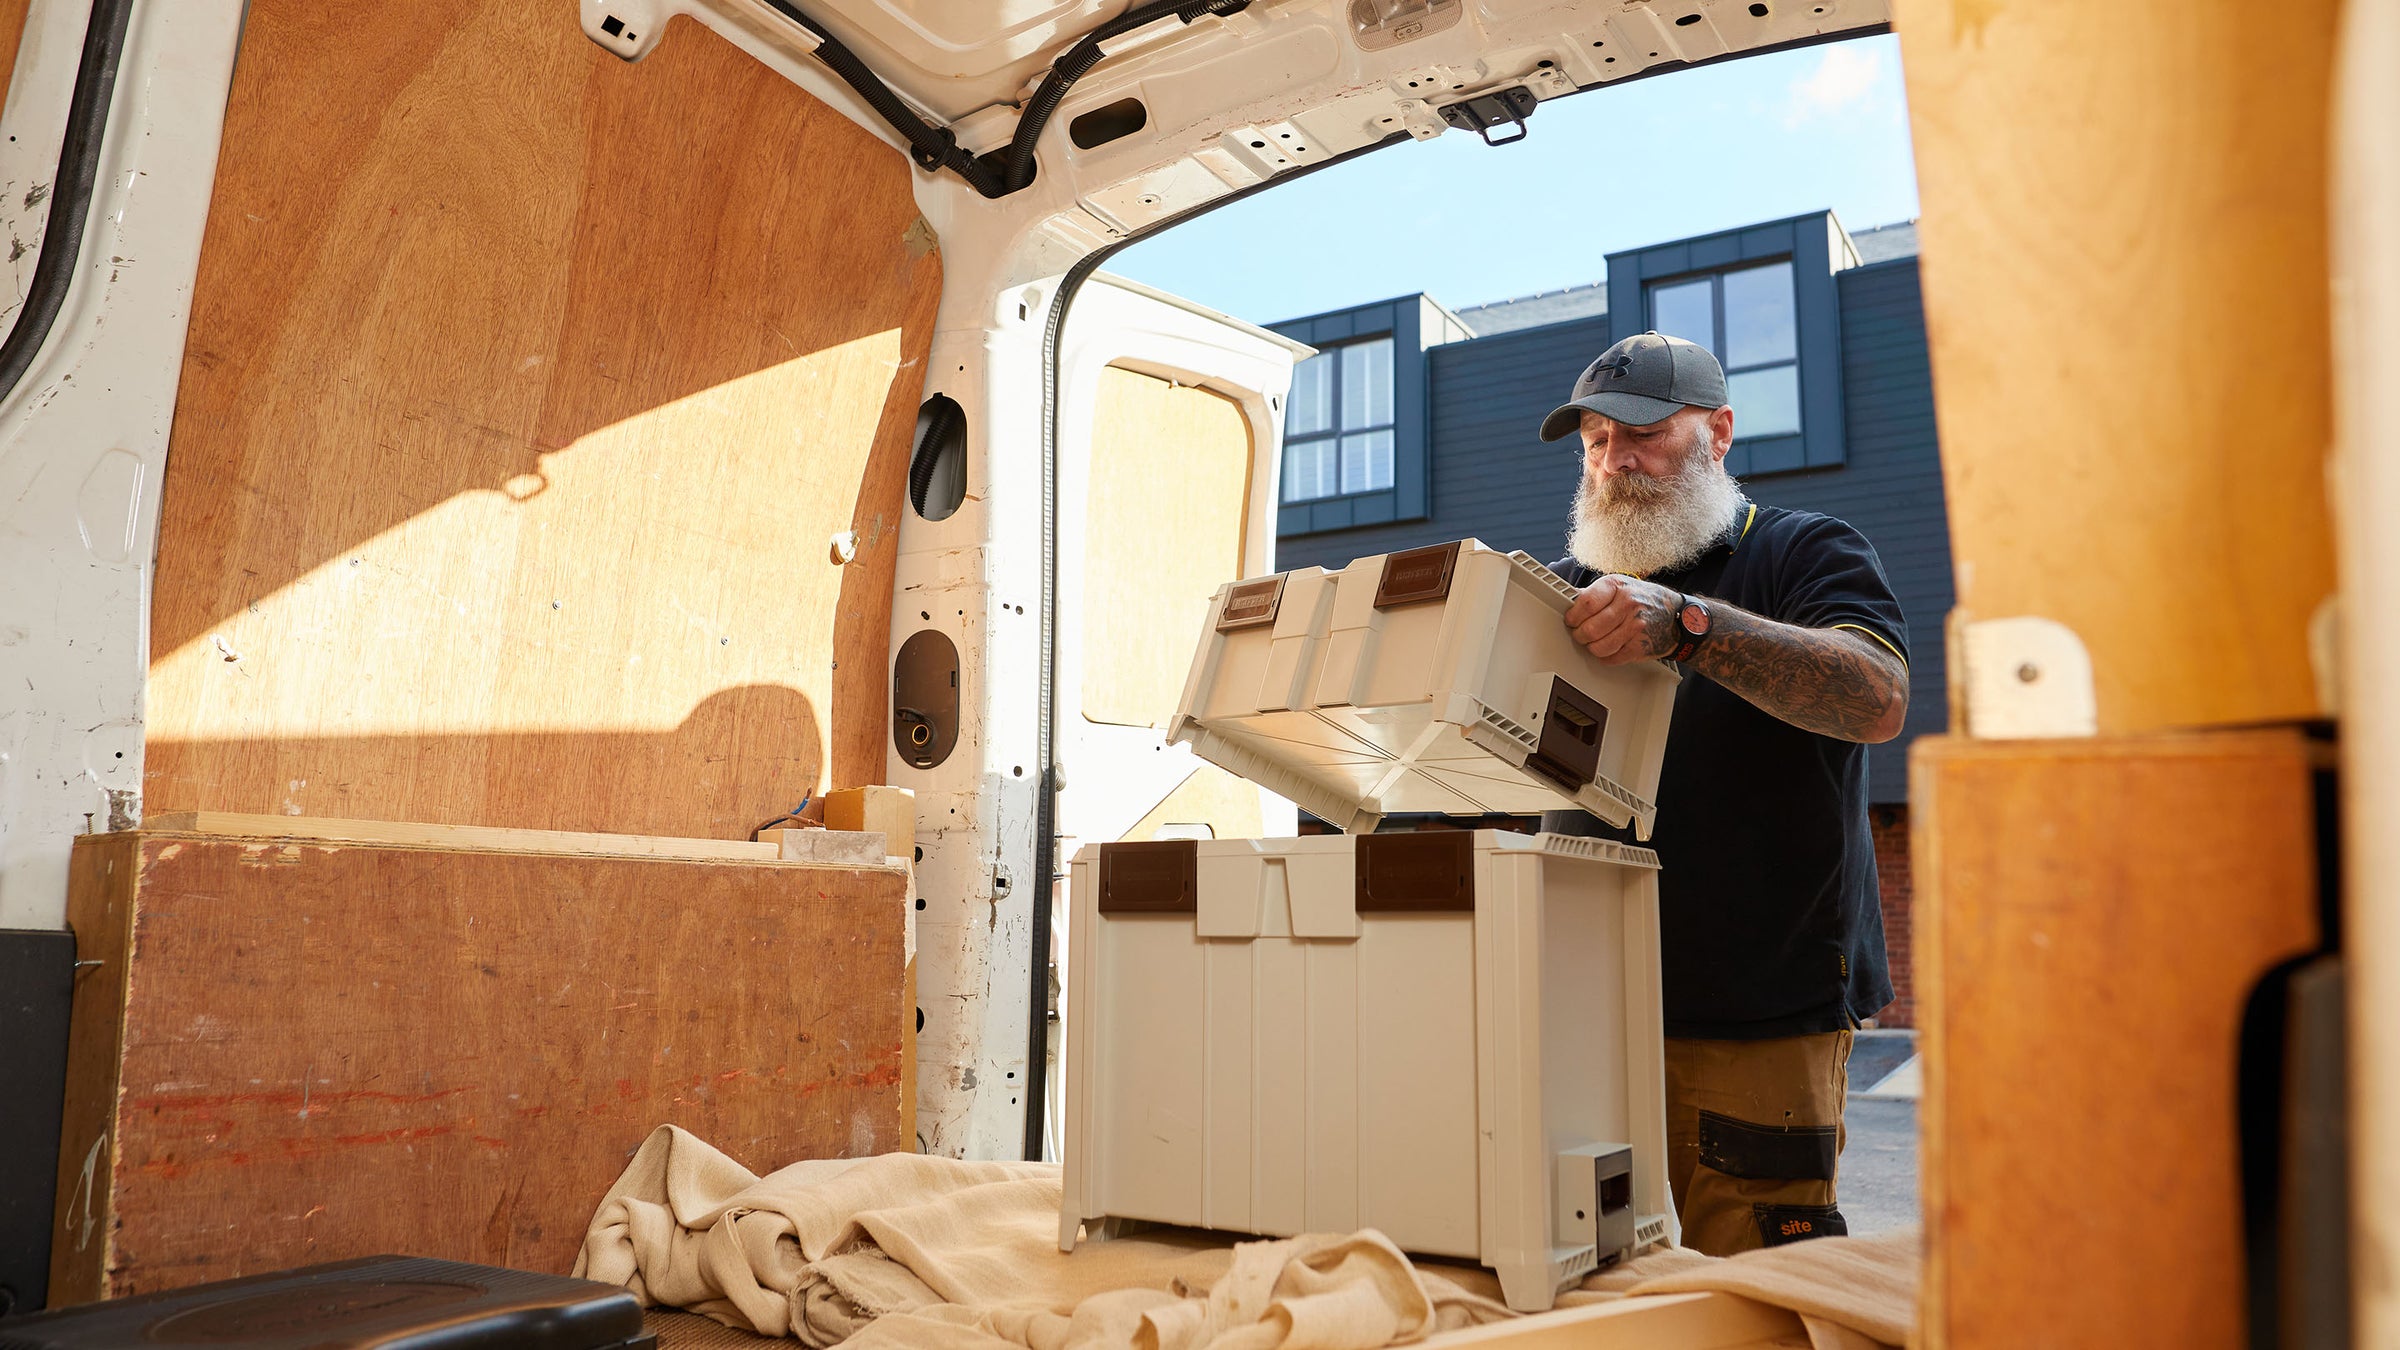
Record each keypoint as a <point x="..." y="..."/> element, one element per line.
<point x="1691" y="621"/>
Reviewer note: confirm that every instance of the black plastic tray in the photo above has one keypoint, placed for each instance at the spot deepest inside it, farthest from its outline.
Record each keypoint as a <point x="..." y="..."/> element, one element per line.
<point x="383" y="1302"/>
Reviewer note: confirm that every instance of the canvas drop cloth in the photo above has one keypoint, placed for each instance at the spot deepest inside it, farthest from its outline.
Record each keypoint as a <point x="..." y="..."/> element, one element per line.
<point x="907" y="1250"/>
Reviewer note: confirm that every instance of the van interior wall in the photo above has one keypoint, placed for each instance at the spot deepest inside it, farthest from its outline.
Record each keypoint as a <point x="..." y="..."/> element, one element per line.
<point x="526" y="391"/>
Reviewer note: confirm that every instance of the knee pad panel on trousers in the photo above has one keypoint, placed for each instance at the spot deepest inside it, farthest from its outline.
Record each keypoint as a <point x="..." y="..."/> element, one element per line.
<point x="1738" y="1148"/>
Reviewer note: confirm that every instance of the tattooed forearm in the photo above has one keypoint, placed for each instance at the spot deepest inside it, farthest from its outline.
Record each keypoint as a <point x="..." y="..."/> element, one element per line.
<point x="1827" y="680"/>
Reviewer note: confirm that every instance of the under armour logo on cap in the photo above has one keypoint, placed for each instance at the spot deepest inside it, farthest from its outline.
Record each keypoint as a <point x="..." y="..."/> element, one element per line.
<point x="1647" y="377"/>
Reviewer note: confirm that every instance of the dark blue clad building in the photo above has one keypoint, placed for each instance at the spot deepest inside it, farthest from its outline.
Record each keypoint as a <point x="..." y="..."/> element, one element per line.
<point x="1416" y="424"/>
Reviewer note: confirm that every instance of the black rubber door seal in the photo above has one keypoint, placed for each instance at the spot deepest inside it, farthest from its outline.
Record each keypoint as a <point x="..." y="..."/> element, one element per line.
<point x="70" y="190"/>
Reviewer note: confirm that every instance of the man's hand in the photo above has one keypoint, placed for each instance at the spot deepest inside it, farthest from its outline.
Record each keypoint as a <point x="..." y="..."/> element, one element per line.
<point x="1622" y="619"/>
<point x="1833" y="681"/>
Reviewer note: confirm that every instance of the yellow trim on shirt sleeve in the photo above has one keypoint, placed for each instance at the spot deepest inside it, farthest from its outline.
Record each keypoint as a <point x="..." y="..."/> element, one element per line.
<point x="1887" y="642"/>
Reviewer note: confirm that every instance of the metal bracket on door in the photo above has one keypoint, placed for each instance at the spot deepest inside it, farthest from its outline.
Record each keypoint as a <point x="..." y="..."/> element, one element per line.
<point x="1501" y="108"/>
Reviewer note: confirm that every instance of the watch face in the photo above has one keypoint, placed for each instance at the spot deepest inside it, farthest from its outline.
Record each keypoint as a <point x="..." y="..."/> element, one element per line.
<point x="1695" y="618"/>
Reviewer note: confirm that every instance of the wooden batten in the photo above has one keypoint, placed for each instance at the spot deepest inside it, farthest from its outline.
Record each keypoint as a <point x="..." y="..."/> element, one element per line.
<point x="888" y="811"/>
<point x="507" y="456"/>
<point x="290" y="1051"/>
<point x="2091" y="918"/>
<point x="418" y="835"/>
<point x="2124" y="257"/>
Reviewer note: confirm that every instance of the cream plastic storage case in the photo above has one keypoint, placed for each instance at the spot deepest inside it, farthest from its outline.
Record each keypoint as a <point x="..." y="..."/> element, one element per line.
<point x="1441" y="679"/>
<point x="1452" y="1037"/>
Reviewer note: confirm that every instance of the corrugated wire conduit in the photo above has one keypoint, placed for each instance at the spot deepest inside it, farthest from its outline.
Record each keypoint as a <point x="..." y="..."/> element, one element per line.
<point x="1002" y="171"/>
<point x="937" y="466"/>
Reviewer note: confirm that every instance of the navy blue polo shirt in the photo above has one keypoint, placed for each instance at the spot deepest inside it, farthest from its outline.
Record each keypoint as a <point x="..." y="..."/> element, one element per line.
<point x="1770" y="918"/>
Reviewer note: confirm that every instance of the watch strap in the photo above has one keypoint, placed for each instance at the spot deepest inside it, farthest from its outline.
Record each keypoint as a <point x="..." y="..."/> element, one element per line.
<point x="1687" y="641"/>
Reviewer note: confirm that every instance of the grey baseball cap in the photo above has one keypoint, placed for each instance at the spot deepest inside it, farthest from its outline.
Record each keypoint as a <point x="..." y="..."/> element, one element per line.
<point x="1639" y="381"/>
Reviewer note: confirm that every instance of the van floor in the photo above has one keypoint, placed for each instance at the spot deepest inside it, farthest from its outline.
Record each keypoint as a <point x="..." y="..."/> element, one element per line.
<point x="691" y="1331"/>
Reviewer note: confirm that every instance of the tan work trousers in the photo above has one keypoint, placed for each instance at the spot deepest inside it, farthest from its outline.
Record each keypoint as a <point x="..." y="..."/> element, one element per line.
<point x="1754" y="1138"/>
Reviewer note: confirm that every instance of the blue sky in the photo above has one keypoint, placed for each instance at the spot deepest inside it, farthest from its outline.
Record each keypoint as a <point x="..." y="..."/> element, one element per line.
<point x="1607" y="169"/>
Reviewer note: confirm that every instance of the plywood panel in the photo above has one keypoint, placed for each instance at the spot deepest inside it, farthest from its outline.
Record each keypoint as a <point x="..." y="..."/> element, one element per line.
<point x="12" y="33"/>
<point x="296" y="1052"/>
<point x="1228" y="805"/>
<point x="2091" y="917"/>
<point x="508" y="450"/>
<point x="892" y="812"/>
<point x="2124" y="266"/>
<point x="1170" y="487"/>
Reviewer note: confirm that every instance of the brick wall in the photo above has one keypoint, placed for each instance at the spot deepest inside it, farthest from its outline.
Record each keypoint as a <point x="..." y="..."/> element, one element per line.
<point x="1890" y="824"/>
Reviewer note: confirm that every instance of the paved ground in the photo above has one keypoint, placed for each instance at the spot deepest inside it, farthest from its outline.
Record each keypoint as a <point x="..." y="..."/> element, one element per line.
<point x="1878" y="1186"/>
<point x="1879" y="1166"/>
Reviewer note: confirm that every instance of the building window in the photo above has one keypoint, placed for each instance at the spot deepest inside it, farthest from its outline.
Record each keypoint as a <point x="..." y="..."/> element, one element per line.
<point x="1749" y="319"/>
<point x="1338" y="427"/>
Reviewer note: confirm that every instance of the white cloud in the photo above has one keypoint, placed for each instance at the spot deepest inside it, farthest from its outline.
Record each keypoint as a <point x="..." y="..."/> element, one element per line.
<point x="1844" y="78"/>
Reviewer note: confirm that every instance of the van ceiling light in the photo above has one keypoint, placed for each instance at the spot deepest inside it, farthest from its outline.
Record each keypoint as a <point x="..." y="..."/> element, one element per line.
<point x="1377" y="24"/>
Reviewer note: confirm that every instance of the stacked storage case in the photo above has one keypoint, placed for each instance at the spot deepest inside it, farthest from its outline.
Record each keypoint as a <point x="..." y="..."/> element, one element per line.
<point x="1441" y="679"/>
<point x="1452" y="1037"/>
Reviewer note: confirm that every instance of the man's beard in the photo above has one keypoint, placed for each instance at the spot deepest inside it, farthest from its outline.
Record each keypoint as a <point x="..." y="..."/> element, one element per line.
<point x="1633" y="523"/>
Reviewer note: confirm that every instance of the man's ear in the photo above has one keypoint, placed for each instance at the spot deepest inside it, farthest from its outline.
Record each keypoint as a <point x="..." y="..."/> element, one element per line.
<point x="1720" y="428"/>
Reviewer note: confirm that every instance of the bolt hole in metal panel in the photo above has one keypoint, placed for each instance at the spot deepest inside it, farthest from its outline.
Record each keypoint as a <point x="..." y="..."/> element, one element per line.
<point x="925" y="699"/>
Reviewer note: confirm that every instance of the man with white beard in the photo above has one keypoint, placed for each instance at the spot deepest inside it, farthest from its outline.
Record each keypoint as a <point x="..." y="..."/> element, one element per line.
<point x="1795" y="659"/>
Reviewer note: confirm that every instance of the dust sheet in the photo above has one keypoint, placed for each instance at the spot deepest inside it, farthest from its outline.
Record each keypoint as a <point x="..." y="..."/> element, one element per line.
<point x="907" y="1250"/>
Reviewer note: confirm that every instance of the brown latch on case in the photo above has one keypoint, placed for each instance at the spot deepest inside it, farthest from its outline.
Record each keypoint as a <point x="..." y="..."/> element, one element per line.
<point x="1424" y="871"/>
<point x="1251" y="604"/>
<point x="1573" y="723"/>
<point x="1416" y="575"/>
<point x="1160" y="877"/>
